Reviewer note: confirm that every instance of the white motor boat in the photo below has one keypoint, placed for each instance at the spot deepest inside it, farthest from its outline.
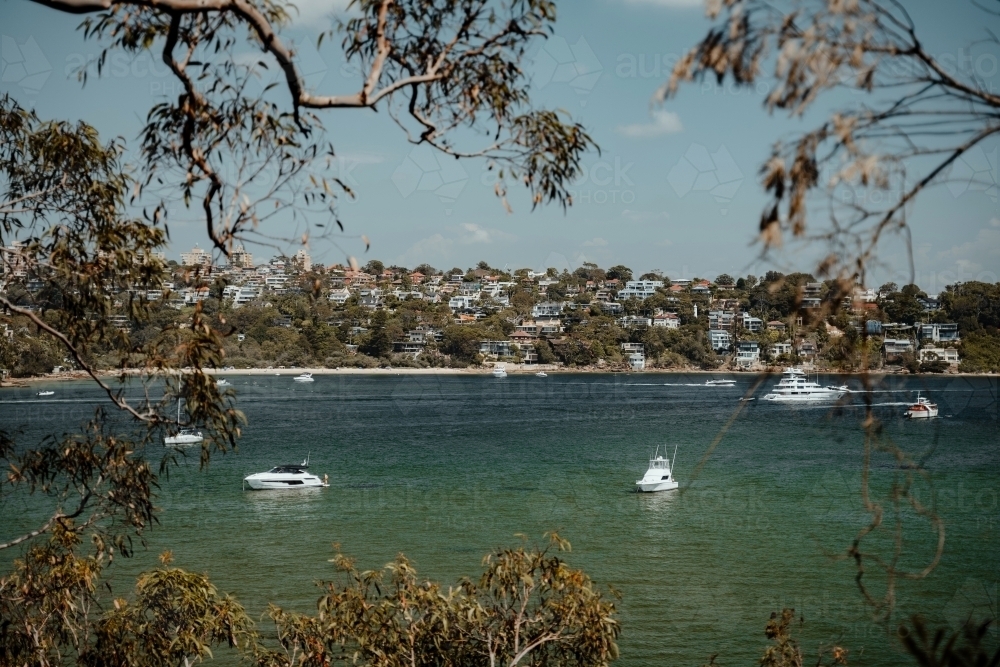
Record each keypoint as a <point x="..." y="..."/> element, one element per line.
<point x="922" y="409"/>
<point x="287" y="476"/>
<point x="305" y="377"/>
<point x="186" y="436"/>
<point x="720" y="383"/>
<point x="500" y="371"/>
<point x="541" y="374"/>
<point x="223" y="382"/>
<point x="659" y="476"/>
<point x="45" y="393"/>
<point x="795" y="388"/>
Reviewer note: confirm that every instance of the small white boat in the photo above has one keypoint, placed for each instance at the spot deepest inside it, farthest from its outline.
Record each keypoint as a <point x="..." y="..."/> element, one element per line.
<point x="922" y="409"/>
<point x="500" y="371"/>
<point x="720" y="383"/>
<point x="659" y="476"/>
<point x="305" y="377"/>
<point x="45" y="393"/>
<point x="222" y="382"/>
<point x="287" y="476"/>
<point x="795" y="388"/>
<point x="186" y="436"/>
<point x="541" y="374"/>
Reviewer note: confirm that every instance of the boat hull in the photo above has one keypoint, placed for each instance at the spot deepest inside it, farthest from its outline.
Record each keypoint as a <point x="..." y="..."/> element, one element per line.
<point x="652" y="487"/>
<point x="922" y="414"/>
<point x="183" y="440"/>
<point x="282" y="482"/>
<point x="817" y="397"/>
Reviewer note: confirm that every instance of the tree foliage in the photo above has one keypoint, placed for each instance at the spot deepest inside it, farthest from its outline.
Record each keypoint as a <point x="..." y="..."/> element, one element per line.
<point x="868" y="161"/>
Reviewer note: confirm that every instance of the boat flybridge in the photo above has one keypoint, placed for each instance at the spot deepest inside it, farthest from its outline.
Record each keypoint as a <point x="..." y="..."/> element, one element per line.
<point x="500" y="371"/>
<point x="795" y="388"/>
<point x="304" y="377"/>
<point x="922" y="409"/>
<point x="186" y="436"/>
<point x="659" y="476"/>
<point x="286" y="476"/>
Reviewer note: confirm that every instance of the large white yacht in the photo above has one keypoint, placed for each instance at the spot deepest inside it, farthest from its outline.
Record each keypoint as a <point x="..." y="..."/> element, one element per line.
<point x="795" y="388"/>
<point x="500" y="371"/>
<point x="659" y="476"/>
<point x="287" y="476"/>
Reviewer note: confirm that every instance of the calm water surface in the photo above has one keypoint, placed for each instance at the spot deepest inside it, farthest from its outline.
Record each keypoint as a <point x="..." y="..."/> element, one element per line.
<point x="446" y="468"/>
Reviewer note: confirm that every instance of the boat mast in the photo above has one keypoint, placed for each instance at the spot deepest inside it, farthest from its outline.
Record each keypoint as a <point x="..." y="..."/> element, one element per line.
<point x="672" y="462"/>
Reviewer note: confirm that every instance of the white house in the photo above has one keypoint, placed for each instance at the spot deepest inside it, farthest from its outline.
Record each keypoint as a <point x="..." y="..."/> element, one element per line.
<point x="339" y="296"/>
<point x="947" y="354"/>
<point x="640" y="289"/>
<point x="547" y="309"/>
<point x="945" y="332"/>
<point x="634" y="321"/>
<point x="780" y="349"/>
<point x="747" y="353"/>
<point x="462" y="302"/>
<point x="668" y="320"/>
<point x="719" y="340"/>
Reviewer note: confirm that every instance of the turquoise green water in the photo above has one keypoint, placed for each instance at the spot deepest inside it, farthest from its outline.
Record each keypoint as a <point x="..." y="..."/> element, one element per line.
<point x="447" y="468"/>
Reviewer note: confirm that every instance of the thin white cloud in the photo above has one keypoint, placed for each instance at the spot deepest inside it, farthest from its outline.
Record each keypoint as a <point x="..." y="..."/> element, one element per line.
<point x="662" y="123"/>
<point x="596" y="242"/>
<point x="472" y="233"/>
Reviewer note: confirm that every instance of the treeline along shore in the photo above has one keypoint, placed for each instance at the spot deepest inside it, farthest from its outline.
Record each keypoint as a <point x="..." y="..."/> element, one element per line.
<point x="292" y="314"/>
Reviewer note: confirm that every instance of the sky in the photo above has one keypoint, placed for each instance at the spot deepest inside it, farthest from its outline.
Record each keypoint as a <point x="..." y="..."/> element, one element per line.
<point x="674" y="189"/>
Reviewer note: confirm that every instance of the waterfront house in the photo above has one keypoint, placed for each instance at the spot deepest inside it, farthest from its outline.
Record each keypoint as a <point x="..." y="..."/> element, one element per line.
<point x="776" y="325"/>
<point x="408" y="347"/>
<point x="893" y="347"/>
<point x="747" y="353"/>
<point x="946" y="354"/>
<point x="780" y="349"/>
<point x="807" y="350"/>
<point x="629" y="348"/>
<point x="495" y="348"/>
<point x="720" y="340"/>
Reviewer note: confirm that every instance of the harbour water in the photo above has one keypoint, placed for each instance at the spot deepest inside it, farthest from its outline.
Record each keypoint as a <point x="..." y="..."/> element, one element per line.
<point x="446" y="468"/>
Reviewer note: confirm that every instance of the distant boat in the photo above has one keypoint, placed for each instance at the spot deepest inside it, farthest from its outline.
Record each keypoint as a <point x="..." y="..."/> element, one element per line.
<point x="186" y="436"/>
<point x="223" y="382"/>
<point x="922" y="409"/>
<point x="304" y="377"/>
<point x="720" y="383"/>
<point x="45" y="393"/>
<point x="287" y="476"/>
<point x="500" y="371"/>
<point x="659" y="476"/>
<point x="541" y="374"/>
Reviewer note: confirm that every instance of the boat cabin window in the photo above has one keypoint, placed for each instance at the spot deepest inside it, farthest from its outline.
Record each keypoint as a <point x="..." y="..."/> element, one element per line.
<point x="290" y="470"/>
